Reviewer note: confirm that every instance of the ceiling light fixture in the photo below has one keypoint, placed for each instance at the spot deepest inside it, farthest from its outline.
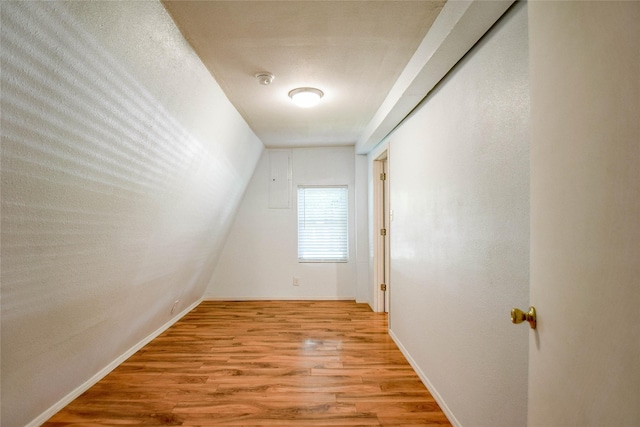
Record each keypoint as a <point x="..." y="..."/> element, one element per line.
<point x="306" y="97"/>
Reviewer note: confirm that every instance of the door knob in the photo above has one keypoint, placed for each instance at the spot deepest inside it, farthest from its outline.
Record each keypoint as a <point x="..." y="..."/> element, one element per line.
<point x="519" y="316"/>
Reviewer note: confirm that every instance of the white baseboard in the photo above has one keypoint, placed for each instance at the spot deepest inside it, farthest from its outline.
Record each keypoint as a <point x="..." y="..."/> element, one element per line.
<point x="273" y="298"/>
<point x="365" y="302"/>
<point x="426" y="381"/>
<point x="54" y="409"/>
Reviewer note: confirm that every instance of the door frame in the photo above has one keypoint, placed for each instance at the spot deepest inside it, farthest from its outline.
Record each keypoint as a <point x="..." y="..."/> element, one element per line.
<point x="381" y="220"/>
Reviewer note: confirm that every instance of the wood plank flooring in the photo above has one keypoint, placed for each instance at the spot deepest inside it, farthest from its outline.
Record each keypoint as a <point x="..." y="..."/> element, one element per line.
<point x="263" y="363"/>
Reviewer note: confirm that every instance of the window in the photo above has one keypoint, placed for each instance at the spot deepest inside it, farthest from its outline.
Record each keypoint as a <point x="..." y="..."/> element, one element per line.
<point x="322" y="224"/>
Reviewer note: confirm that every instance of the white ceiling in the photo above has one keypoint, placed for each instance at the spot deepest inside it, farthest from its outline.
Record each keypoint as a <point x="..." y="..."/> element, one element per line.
<point x="354" y="51"/>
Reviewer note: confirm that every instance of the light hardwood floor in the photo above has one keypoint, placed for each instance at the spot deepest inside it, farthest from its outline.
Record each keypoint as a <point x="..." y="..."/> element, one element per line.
<point x="266" y="363"/>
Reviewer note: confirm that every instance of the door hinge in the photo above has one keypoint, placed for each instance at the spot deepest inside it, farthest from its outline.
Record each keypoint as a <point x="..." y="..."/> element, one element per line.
<point x="383" y="176"/>
<point x="383" y="287"/>
<point x="383" y="231"/>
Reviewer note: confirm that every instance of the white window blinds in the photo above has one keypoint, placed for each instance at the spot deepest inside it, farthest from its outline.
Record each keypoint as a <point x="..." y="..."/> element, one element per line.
<point x="322" y="224"/>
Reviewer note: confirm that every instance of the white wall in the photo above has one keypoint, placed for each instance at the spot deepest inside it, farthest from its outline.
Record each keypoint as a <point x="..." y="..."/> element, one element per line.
<point x="459" y="174"/>
<point x="364" y="290"/>
<point x="585" y="214"/>
<point x="122" y="165"/>
<point x="260" y="257"/>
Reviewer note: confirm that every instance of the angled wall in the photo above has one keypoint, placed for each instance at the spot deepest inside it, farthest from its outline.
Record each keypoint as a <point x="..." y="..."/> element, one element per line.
<point x="122" y="166"/>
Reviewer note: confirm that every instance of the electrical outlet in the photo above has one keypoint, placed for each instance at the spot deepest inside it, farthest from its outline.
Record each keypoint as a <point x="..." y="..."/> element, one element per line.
<point x="175" y="304"/>
<point x="296" y="281"/>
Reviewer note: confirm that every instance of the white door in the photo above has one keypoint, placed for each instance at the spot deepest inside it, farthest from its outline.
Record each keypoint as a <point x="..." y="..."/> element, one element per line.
<point x="584" y="357"/>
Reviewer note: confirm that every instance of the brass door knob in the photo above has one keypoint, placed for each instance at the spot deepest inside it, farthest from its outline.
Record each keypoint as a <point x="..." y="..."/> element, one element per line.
<point x="519" y="316"/>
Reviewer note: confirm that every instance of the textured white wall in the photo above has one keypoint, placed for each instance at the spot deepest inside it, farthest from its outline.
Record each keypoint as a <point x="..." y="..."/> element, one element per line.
<point x="122" y="165"/>
<point x="459" y="173"/>
<point x="260" y="257"/>
<point x="585" y="214"/>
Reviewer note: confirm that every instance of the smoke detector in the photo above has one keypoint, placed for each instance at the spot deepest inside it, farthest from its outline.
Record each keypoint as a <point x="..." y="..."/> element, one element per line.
<point x="265" y="79"/>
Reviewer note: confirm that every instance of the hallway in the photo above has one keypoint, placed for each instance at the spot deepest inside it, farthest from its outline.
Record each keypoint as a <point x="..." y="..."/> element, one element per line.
<point x="134" y="187"/>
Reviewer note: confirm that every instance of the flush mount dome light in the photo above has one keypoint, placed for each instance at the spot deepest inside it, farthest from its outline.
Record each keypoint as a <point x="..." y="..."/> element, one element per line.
<point x="306" y="97"/>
